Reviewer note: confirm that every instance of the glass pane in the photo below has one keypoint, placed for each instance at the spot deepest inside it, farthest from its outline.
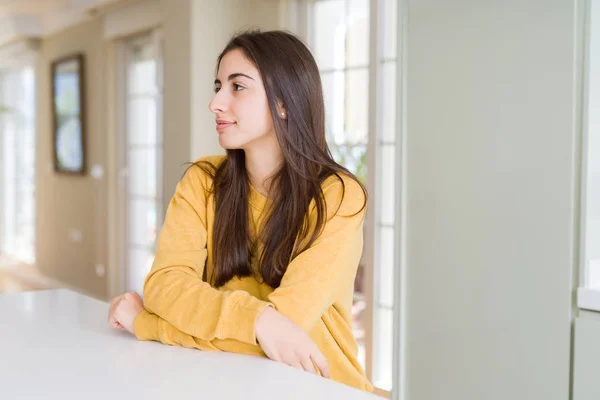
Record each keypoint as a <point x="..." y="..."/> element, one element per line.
<point x="66" y="97"/>
<point x="388" y="184"/>
<point x="142" y="171"/>
<point x="334" y="95"/>
<point x="142" y="121"/>
<point x="390" y="17"/>
<point x="383" y="347"/>
<point x="357" y="106"/>
<point x="352" y="157"/>
<point x="329" y="33"/>
<point x="142" y="222"/>
<point x="28" y="109"/>
<point x="140" y="262"/>
<point x="389" y="112"/>
<point x="9" y="173"/>
<point x="142" y="70"/>
<point x="358" y="33"/>
<point x="18" y="163"/>
<point x="385" y="294"/>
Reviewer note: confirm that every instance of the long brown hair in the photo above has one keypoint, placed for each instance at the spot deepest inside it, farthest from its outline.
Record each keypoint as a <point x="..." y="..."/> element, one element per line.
<point x="291" y="77"/>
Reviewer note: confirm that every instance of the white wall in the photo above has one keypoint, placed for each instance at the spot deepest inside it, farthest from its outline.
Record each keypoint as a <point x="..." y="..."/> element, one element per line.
<point x="213" y="24"/>
<point x="490" y="175"/>
<point x="586" y="385"/>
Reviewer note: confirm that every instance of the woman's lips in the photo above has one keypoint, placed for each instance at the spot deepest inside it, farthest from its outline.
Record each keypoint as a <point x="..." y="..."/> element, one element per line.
<point x="221" y="125"/>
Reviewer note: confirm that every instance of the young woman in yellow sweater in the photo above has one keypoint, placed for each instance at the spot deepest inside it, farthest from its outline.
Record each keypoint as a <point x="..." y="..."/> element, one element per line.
<point x="259" y="248"/>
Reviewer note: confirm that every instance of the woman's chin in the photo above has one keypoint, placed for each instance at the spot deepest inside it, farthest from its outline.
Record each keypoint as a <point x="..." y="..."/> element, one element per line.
<point x="228" y="144"/>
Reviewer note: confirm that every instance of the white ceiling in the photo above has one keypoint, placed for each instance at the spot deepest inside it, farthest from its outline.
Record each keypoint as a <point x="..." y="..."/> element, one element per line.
<point x="31" y="7"/>
<point x="37" y="18"/>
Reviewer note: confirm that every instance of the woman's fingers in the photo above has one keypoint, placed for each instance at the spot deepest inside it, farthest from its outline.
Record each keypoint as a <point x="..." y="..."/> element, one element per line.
<point x="308" y="365"/>
<point x="321" y="363"/>
<point x="112" y="320"/>
<point x="115" y="324"/>
<point x="297" y="365"/>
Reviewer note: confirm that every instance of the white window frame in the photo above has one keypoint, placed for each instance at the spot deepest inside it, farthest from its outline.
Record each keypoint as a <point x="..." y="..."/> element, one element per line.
<point x="588" y="298"/>
<point x="299" y="21"/>
<point x="120" y="281"/>
<point x="119" y="23"/>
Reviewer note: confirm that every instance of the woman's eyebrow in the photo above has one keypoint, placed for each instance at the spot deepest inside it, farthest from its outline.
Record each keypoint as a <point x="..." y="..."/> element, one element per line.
<point x="233" y="76"/>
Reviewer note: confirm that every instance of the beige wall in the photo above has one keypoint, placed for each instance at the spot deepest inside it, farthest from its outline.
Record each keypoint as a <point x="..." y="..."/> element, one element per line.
<point x="66" y="202"/>
<point x="194" y="33"/>
<point x="214" y="22"/>
<point x="177" y="113"/>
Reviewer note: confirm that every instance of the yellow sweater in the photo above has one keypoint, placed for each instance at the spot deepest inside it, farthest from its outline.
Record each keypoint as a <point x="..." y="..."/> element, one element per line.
<point x="315" y="292"/>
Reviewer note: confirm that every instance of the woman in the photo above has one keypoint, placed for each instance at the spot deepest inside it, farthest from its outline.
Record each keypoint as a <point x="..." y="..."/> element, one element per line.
<point x="259" y="248"/>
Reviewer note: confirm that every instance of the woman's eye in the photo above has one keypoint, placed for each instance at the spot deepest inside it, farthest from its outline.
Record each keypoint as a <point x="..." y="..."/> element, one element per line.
<point x="217" y="89"/>
<point x="237" y="88"/>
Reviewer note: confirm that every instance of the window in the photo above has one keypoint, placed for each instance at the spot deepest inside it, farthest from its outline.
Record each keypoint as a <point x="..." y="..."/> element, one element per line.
<point x="142" y="155"/>
<point x="340" y="43"/>
<point x="589" y="294"/>
<point x="360" y="89"/>
<point x="17" y="164"/>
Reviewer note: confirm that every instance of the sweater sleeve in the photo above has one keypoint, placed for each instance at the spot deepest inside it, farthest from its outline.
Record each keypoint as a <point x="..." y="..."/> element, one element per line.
<point x="148" y="326"/>
<point x="315" y="277"/>
<point x="174" y="289"/>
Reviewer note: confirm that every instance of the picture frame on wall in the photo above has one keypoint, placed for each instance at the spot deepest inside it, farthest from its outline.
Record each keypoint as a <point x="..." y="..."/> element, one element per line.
<point x="68" y="114"/>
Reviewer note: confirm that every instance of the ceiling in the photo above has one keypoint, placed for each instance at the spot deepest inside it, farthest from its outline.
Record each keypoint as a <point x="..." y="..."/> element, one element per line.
<point x="38" y="18"/>
<point x="30" y="7"/>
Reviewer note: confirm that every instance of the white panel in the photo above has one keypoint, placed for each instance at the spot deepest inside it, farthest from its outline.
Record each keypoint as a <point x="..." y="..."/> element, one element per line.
<point x="491" y="141"/>
<point x="586" y="382"/>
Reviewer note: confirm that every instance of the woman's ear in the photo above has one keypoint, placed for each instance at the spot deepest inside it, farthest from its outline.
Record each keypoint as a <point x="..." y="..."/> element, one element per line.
<point x="281" y="112"/>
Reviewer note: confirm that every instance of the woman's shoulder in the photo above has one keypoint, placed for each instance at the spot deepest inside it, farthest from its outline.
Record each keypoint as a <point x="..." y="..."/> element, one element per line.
<point x="215" y="160"/>
<point x="343" y="194"/>
<point x="203" y="170"/>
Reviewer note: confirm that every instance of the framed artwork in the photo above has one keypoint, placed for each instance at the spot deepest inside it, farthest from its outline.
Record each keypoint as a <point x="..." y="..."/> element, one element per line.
<point x="68" y="112"/>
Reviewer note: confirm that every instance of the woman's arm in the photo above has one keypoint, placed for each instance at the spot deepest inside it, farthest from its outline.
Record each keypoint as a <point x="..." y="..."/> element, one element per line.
<point x="314" y="278"/>
<point x="174" y="289"/>
<point x="284" y="341"/>
<point x="149" y="326"/>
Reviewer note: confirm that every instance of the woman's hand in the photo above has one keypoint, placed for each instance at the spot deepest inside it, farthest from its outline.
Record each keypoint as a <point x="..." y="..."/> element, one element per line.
<point x="123" y="310"/>
<point x="284" y="341"/>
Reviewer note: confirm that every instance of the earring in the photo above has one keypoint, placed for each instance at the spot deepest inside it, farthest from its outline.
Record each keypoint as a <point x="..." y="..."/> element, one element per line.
<point x="283" y="114"/>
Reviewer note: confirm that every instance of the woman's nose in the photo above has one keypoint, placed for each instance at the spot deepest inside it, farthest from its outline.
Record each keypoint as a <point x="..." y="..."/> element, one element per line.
<point x="218" y="103"/>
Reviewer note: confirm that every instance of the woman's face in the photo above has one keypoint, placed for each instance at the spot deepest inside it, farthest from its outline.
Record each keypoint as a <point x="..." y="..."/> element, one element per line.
<point x="240" y="104"/>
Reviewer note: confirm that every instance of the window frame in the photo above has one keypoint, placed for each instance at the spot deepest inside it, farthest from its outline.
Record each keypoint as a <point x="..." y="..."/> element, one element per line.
<point x="375" y="143"/>
<point x="155" y="38"/>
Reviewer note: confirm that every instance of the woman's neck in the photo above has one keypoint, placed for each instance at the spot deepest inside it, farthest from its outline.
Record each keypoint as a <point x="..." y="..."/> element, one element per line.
<point x="262" y="163"/>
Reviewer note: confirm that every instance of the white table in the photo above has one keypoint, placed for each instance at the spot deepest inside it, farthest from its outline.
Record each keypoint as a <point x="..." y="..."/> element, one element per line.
<point x="56" y="344"/>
